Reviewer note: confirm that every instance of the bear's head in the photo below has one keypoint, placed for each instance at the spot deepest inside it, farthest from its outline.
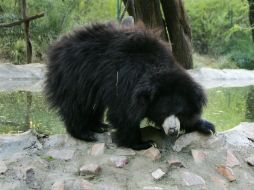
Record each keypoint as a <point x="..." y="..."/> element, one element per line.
<point x="170" y="92"/>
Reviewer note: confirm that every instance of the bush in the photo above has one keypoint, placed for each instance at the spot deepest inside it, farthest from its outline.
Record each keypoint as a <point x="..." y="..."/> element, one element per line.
<point x="215" y="22"/>
<point x="18" y="52"/>
<point x="60" y="17"/>
<point x="244" y="56"/>
<point x="221" y="27"/>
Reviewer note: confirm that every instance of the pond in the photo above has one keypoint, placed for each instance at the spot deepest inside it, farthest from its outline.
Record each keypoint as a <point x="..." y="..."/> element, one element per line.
<point x="19" y="111"/>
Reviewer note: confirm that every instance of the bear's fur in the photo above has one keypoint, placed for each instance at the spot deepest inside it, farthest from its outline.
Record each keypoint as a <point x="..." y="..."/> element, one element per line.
<point x="129" y="72"/>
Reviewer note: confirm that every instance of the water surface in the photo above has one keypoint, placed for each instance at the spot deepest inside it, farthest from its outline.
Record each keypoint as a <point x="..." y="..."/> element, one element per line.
<point x="19" y="111"/>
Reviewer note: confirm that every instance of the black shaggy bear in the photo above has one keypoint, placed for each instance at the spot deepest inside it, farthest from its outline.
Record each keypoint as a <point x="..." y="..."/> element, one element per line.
<point x="129" y="72"/>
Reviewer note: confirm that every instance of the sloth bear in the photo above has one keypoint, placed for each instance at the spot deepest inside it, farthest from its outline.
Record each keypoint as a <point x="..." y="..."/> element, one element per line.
<point x="130" y="73"/>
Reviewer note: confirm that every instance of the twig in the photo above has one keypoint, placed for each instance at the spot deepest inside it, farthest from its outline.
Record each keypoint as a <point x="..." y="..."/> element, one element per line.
<point x="21" y="21"/>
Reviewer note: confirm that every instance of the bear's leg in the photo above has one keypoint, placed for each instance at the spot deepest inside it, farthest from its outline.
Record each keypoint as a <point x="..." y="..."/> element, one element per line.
<point x="202" y="126"/>
<point x="77" y="124"/>
<point x="128" y="133"/>
<point x="130" y="136"/>
<point x="96" y="121"/>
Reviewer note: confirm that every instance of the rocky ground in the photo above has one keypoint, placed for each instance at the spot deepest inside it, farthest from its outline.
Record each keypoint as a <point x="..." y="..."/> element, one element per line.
<point x="192" y="161"/>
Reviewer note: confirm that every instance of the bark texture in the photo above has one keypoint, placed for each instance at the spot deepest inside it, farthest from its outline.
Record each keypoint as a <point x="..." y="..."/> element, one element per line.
<point x="179" y="31"/>
<point x="148" y="11"/>
<point x="170" y="17"/>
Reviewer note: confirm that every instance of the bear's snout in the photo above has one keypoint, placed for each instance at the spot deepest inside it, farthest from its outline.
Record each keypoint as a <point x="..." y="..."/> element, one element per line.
<point x="171" y="125"/>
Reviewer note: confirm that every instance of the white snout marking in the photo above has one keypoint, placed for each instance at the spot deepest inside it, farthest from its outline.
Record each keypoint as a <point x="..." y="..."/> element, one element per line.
<point x="171" y="125"/>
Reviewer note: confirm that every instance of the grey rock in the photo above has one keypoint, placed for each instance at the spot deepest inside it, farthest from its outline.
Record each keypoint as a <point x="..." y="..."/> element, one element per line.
<point x="250" y="160"/>
<point x="196" y="139"/>
<point x="98" y="149"/>
<point x="218" y="183"/>
<point x="175" y="163"/>
<point x="61" y="140"/>
<point x="158" y="174"/>
<point x="90" y="169"/>
<point x="246" y="129"/>
<point x="77" y="184"/>
<point x="231" y="159"/>
<point x="29" y="175"/>
<point x="11" y="144"/>
<point x="191" y="179"/>
<point x="58" y="185"/>
<point x="119" y="161"/>
<point x="3" y="167"/>
<point x="153" y="153"/>
<point x="236" y="138"/>
<point x="64" y="154"/>
<point x="239" y="136"/>
<point x="198" y="155"/>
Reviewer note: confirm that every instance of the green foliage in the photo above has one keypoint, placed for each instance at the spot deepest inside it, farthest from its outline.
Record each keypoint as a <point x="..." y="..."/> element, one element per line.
<point x="242" y="53"/>
<point x="221" y="27"/>
<point x="18" y="52"/>
<point x="60" y="17"/>
<point x="215" y="22"/>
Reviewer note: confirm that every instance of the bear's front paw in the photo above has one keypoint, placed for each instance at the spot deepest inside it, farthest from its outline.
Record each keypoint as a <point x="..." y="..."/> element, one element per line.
<point x="205" y="127"/>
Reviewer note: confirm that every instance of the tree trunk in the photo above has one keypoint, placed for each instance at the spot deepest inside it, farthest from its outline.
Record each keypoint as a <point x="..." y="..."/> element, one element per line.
<point x="148" y="11"/>
<point x="251" y="16"/>
<point x="27" y="37"/>
<point x="179" y="31"/>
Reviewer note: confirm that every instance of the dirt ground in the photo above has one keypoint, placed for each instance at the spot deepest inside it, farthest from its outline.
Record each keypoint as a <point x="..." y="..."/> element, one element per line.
<point x="193" y="161"/>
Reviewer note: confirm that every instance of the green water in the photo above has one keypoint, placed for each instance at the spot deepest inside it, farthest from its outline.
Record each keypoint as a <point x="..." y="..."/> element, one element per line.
<point x="20" y="111"/>
<point x="227" y="107"/>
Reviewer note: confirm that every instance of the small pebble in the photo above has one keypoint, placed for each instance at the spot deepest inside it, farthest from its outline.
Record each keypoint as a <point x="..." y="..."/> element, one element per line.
<point x="231" y="159"/>
<point x="191" y="179"/>
<point x="226" y="172"/>
<point x="198" y="156"/>
<point x="158" y="174"/>
<point x="64" y="154"/>
<point x="98" y="149"/>
<point x="89" y="169"/>
<point x="153" y="153"/>
<point x="119" y="161"/>
<point x="175" y="163"/>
